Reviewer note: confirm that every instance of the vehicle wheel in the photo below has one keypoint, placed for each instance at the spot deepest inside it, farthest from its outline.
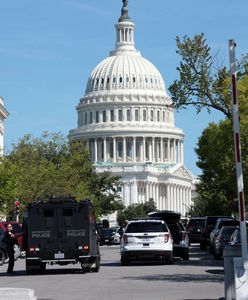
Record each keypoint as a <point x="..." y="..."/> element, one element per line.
<point x="211" y="249"/>
<point x="125" y="260"/>
<point x="170" y="259"/>
<point x="43" y="267"/>
<point x="2" y="257"/>
<point x="203" y="246"/>
<point x="97" y="267"/>
<point x="185" y="256"/>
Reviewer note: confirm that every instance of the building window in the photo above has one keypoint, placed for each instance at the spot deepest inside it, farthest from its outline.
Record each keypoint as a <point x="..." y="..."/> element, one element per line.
<point x="136" y="115"/>
<point x="152" y="115"/>
<point x="158" y="116"/>
<point x="112" y="116"/>
<point x="164" y="116"/>
<point x="114" y="80"/>
<point x="144" y="115"/>
<point x="129" y="149"/>
<point x="120" y="115"/>
<point x="108" y="80"/>
<point x="85" y="118"/>
<point x="134" y="80"/>
<point x="120" y="79"/>
<point x="97" y="117"/>
<point x="91" y="117"/>
<point x="119" y="149"/>
<point x="111" y="150"/>
<point x="104" y="116"/>
<point x="128" y="115"/>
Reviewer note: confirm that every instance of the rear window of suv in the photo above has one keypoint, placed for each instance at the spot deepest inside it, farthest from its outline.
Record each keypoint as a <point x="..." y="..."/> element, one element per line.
<point x="146" y="227"/>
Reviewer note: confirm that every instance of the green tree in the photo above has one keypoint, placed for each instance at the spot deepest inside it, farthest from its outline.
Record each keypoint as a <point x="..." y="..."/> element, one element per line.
<point x="136" y="211"/>
<point x="202" y="82"/>
<point x="40" y="167"/>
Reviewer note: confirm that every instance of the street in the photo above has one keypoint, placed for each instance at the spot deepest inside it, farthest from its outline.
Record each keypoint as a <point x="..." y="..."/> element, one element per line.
<point x="200" y="278"/>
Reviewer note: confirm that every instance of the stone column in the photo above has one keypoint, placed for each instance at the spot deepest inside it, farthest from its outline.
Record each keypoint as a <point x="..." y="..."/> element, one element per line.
<point x="134" y="149"/>
<point x="104" y="149"/>
<point x="168" y="150"/>
<point x="114" y="149"/>
<point x="96" y="150"/>
<point x="182" y="159"/>
<point x="161" y="150"/>
<point x="144" y="149"/>
<point x="153" y="158"/>
<point x="124" y="150"/>
<point x="157" y="195"/>
<point x="174" y="151"/>
<point x="150" y="151"/>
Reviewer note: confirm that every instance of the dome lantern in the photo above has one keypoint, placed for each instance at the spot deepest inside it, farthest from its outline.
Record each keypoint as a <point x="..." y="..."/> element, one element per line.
<point x="124" y="33"/>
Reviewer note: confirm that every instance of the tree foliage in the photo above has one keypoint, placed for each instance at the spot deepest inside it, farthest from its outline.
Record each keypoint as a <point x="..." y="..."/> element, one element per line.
<point x="202" y="82"/>
<point x="136" y="211"/>
<point x="40" y="167"/>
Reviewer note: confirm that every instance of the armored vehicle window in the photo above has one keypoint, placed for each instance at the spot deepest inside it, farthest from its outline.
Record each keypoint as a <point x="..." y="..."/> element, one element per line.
<point x="48" y="213"/>
<point x="67" y="212"/>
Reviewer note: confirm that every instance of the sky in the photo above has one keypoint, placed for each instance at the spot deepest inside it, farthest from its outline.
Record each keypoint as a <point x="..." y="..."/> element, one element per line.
<point x="49" y="48"/>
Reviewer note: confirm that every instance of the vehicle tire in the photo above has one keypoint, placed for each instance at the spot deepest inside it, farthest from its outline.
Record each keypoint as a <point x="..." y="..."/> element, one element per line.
<point x="211" y="249"/>
<point x="97" y="267"/>
<point x="170" y="259"/>
<point x="2" y="257"/>
<point x="42" y="267"/>
<point x="203" y="246"/>
<point x="125" y="260"/>
<point x="185" y="255"/>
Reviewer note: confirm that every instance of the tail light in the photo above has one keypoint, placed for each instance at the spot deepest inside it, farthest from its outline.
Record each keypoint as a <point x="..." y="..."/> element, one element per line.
<point x="86" y="248"/>
<point x="166" y="237"/>
<point x="31" y="249"/>
<point x="125" y="239"/>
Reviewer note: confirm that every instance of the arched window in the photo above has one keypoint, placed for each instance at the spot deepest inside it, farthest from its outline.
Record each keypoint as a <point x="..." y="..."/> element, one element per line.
<point x="120" y="79"/>
<point x="158" y="116"/>
<point x="108" y="80"/>
<point x="102" y="81"/>
<point x="152" y="115"/>
<point x="144" y="115"/>
<point x="97" y="117"/>
<point x="136" y="115"/>
<point x="104" y="116"/>
<point x="134" y="80"/>
<point x="128" y="115"/>
<point x="120" y="115"/>
<point x="114" y="79"/>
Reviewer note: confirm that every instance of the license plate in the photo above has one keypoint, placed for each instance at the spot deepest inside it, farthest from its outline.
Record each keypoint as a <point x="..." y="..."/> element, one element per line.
<point x="59" y="255"/>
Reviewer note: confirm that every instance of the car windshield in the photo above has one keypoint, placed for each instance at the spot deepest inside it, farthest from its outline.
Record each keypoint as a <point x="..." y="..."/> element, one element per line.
<point x="146" y="227"/>
<point x="107" y="231"/>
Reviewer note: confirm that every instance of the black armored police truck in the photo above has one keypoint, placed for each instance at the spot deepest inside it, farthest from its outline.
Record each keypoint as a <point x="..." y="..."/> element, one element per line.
<point x="61" y="231"/>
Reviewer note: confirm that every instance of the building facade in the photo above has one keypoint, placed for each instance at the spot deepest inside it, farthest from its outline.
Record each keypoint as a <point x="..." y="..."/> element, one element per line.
<point x="3" y="115"/>
<point x="127" y="120"/>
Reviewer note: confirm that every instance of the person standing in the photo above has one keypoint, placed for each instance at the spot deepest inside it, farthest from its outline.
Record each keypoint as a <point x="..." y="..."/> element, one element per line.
<point x="10" y="240"/>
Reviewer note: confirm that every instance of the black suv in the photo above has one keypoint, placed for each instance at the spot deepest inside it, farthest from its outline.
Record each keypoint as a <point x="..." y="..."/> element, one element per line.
<point x="194" y="229"/>
<point x="177" y="230"/>
<point x="209" y="224"/>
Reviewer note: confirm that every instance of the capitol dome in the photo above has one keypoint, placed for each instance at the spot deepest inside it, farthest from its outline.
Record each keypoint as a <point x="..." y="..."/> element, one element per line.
<point x="125" y="71"/>
<point x="127" y="121"/>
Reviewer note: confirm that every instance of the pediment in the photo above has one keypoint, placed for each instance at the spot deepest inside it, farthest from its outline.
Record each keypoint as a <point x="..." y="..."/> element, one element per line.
<point x="183" y="172"/>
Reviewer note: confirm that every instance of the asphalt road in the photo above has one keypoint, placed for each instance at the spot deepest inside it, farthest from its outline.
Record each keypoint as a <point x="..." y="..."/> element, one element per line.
<point x="200" y="278"/>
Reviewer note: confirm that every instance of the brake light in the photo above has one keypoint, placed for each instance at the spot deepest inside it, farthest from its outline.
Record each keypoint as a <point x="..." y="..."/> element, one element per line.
<point x="32" y="249"/>
<point x="125" y="239"/>
<point x="166" y="237"/>
<point x="86" y="247"/>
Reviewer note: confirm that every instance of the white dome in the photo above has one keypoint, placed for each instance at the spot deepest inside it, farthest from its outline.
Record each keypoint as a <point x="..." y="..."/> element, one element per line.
<point x="128" y="70"/>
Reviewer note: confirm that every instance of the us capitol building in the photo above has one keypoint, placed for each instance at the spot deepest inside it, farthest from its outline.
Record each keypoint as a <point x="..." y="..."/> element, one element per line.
<point x="127" y="120"/>
<point x="3" y="115"/>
